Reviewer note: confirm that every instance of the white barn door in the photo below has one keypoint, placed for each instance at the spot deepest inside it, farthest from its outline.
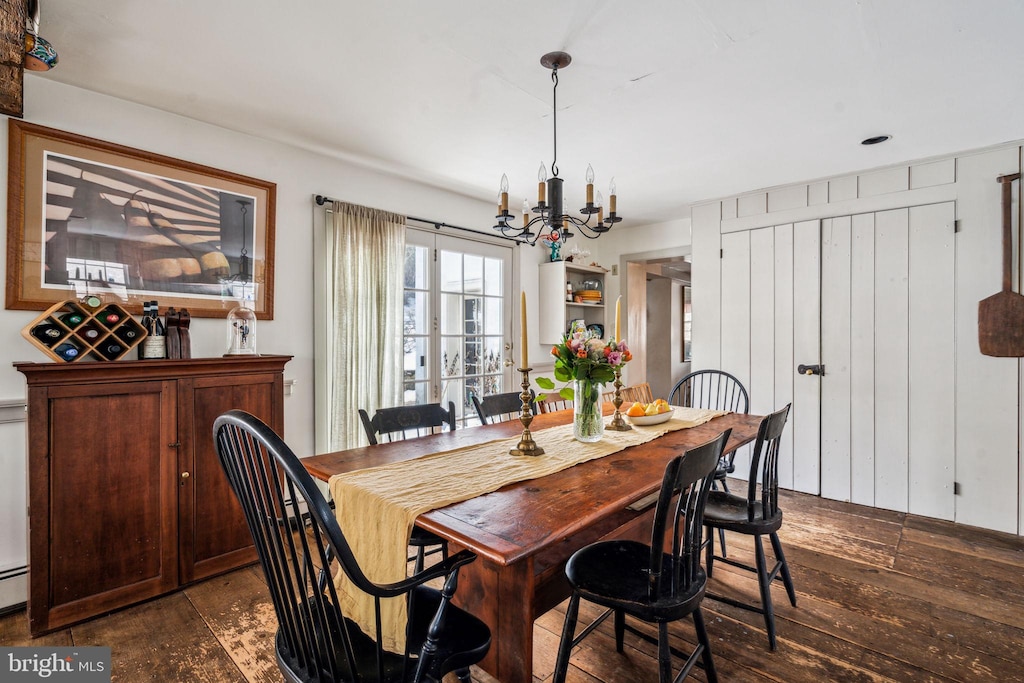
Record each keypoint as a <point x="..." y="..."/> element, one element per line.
<point x="871" y="297"/>
<point x="770" y="324"/>
<point x="887" y="335"/>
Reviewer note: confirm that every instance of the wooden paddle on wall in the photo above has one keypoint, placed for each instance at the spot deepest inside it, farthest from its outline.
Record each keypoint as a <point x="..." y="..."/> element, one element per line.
<point x="1001" y="316"/>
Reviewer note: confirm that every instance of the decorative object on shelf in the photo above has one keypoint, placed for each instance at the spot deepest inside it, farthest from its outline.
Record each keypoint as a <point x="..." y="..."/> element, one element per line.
<point x="155" y="345"/>
<point x="588" y="362"/>
<point x="87" y="216"/>
<point x="554" y="216"/>
<point x="589" y="292"/>
<point x="526" y="445"/>
<point x="72" y="331"/>
<point x="577" y="255"/>
<point x="40" y="55"/>
<point x="576" y="325"/>
<point x="179" y="340"/>
<point x="241" y="329"/>
<point x="555" y="247"/>
<point x="596" y="329"/>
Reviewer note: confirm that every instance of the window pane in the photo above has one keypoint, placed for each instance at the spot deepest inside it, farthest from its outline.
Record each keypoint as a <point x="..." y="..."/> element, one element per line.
<point x="492" y="277"/>
<point x="452" y="390"/>
<point x="416" y="313"/>
<point x="451" y="271"/>
<point x="415" y="392"/>
<point x="473" y="386"/>
<point x="493" y="354"/>
<point x="473" y="318"/>
<point x="474" y="356"/>
<point x="416" y="358"/>
<point x="492" y="384"/>
<point x="415" y="267"/>
<point x="492" y="316"/>
<point x="474" y="276"/>
<point x="451" y="356"/>
<point x="451" y="314"/>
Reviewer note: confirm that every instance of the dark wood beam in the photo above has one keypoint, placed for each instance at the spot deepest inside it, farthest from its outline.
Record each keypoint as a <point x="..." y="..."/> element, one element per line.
<point x="12" y="46"/>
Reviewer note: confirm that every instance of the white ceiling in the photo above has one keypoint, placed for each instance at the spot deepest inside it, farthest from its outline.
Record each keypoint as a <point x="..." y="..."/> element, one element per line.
<point x="680" y="100"/>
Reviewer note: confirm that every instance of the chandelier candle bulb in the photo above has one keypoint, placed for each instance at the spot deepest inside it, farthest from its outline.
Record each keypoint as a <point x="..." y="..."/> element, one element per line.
<point x="522" y="329"/>
<point x="542" y="181"/>
<point x="504" y="194"/>
<point x="600" y="210"/>
<point x="590" y="185"/>
<point x="526" y="213"/>
<point x="611" y="197"/>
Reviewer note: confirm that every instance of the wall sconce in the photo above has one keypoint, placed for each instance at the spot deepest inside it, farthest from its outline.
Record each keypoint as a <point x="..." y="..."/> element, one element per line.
<point x="40" y="55"/>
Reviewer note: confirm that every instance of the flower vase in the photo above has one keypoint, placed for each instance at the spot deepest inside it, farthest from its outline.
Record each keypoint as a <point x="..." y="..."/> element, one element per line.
<point x="587" y="419"/>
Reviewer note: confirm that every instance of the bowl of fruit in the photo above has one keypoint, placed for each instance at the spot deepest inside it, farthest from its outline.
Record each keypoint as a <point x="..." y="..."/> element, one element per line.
<point x="649" y="413"/>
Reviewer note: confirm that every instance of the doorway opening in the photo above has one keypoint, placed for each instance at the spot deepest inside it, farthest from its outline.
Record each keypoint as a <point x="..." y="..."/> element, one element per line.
<point x="657" y="292"/>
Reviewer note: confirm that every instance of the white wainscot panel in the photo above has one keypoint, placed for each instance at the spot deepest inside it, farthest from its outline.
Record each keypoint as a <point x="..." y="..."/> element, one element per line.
<point x="752" y="205"/>
<point x="884" y="182"/>
<point x="794" y="197"/>
<point x="932" y="174"/>
<point x="13" y="504"/>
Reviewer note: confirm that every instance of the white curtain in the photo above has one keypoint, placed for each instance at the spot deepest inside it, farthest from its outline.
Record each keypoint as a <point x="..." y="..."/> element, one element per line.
<point x="366" y="357"/>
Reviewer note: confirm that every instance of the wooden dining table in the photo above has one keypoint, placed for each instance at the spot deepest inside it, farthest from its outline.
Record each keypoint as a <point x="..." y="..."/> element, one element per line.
<point x="523" y="533"/>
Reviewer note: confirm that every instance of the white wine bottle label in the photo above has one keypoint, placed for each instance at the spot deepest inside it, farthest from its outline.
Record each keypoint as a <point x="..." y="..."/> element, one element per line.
<point x="154" y="346"/>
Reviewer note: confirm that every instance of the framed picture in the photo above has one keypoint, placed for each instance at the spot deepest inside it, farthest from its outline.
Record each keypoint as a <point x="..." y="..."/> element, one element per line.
<point x="90" y="217"/>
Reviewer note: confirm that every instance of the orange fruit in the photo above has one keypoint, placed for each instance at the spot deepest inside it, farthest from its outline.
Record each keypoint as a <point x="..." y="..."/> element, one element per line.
<point x="636" y="410"/>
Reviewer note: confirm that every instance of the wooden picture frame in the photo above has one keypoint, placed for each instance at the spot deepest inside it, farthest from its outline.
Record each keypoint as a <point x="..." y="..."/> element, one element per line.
<point x="91" y="217"/>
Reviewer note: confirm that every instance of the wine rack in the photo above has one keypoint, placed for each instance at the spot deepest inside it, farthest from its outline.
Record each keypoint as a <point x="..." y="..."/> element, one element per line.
<point x="73" y="331"/>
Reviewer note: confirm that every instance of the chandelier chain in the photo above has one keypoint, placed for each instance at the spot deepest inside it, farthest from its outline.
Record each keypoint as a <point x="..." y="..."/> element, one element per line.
<point x="554" y="120"/>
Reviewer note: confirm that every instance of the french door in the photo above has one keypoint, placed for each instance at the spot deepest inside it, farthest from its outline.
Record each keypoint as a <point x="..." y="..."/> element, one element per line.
<point x="871" y="298"/>
<point x="457" y="317"/>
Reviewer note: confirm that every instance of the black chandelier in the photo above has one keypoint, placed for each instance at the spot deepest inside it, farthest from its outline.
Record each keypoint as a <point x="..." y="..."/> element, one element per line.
<point x="554" y="220"/>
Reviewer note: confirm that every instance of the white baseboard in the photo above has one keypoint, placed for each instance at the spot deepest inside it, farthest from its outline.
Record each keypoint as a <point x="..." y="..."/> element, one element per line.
<point x="13" y="587"/>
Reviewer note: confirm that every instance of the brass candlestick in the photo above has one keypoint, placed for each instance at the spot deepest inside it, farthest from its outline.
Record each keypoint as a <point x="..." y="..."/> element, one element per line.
<point x="618" y="424"/>
<point x="527" y="446"/>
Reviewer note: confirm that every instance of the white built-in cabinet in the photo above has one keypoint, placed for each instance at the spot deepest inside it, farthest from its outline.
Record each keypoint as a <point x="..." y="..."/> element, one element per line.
<point x="555" y="311"/>
<point x="878" y="278"/>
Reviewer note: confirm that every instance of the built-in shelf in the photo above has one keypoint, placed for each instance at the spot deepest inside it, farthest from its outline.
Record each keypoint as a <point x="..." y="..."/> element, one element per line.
<point x="555" y="311"/>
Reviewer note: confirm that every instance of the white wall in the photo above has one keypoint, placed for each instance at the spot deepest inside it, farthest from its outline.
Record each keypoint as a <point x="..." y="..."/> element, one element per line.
<point x="987" y="391"/>
<point x="298" y="174"/>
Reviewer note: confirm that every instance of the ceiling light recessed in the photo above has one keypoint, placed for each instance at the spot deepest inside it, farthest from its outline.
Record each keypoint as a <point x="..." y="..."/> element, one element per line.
<point x="875" y="140"/>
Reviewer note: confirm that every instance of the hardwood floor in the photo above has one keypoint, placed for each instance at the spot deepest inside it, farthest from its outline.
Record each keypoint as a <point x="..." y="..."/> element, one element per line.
<point x="882" y="596"/>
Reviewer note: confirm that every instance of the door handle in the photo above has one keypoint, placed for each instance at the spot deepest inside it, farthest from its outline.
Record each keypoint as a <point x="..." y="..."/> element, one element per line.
<point x="810" y="369"/>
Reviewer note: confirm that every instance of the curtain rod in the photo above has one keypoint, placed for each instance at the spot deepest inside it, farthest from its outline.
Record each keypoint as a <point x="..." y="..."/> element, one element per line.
<point x="321" y="200"/>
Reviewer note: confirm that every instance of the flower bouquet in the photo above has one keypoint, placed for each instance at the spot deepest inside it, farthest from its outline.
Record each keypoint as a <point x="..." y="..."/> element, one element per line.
<point x="588" y="362"/>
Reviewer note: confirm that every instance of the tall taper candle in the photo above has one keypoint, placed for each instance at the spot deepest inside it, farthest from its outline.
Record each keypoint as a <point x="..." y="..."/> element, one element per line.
<point x="618" y="316"/>
<point x="522" y="327"/>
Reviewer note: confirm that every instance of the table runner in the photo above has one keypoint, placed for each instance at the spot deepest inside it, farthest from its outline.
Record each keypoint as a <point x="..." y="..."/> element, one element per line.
<point x="376" y="507"/>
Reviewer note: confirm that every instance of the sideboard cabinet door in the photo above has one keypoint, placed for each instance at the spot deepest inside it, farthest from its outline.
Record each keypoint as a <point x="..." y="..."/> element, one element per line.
<point x="104" y="491"/>
<point x="214" y="534"/>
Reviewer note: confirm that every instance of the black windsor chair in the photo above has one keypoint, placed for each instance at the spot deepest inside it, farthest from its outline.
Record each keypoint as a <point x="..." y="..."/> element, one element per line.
<point x="713" y="390"/>
<point x="501" y="407"/>
<point x="410" y="422"/>
<point x="553" y="403"/>
<point x="756" y="516"/>
<point x="646" y="581"/>
<point x="315" y="641"/>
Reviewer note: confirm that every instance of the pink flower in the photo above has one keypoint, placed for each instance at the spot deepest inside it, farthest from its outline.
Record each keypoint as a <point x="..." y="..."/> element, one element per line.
<point x="614" y="358"/>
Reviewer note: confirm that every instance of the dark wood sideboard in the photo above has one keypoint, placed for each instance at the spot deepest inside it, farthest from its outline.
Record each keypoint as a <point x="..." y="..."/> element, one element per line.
<point x="126" y="498"/>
